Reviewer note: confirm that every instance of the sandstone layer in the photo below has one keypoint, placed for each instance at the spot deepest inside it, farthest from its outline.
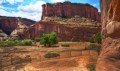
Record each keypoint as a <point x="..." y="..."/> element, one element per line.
<point x="109" y="59"/>
<point x="69" y="10"/>
<point x="20" y="29"/>
<point x="64" y="33"/>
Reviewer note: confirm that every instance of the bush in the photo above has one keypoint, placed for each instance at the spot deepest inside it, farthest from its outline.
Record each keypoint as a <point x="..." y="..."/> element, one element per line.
<point x="98" y="38"/>
<point x="11" y="42"/>
<point x="94" y="46"/>
<point x="7" y="43"/>
<point x="91" y="40"/>
<point x="1" y="31"/>
<point x="37" y="39"/>
<point x="49" y="39"/>
<point x="91" y="67"/>
<point x="26" y="42"/>
<point x="65" y="44"/>
<point x="51" y="55"/>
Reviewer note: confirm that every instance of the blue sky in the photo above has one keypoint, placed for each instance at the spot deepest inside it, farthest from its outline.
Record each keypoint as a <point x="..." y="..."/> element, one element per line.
<point x="32" y="9"/>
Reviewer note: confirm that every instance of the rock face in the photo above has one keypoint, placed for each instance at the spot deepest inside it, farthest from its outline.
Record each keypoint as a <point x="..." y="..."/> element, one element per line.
<point x="8" y="24"/>
<point x="64" y="33"/>
<point x="2" y="35"/>
<point x="109" y="59"/>
<point x="71" y="22"/>
<point x="20" y="29"/>
<point x="68" y="10"/>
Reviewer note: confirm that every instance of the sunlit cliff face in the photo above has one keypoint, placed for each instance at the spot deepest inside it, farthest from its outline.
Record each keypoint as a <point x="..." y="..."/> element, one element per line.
<point x="32" y="9"/>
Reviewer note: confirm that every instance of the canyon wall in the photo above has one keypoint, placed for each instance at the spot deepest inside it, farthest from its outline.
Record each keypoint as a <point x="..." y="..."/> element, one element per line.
<point x="64" y="33"/>
<point x="68" y="10"/>
<point x="109" y="59"/>
<point x="8" y="24"/>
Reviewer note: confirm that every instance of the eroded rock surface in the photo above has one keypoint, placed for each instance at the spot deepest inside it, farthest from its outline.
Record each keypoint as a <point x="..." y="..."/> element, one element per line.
<point x="20" y="29"/>
<point x="71" y="22"/>
<point x="68" y="10"/>
<point x="8" y="24"/>
<point x="109" y="59"/>
<point x="64" y="33"/>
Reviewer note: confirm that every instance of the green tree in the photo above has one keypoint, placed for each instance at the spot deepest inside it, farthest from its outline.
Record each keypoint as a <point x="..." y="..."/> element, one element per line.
<point x="49" y="39"/>
<point x="98" y="38"/>
<point x="91" y="40"/>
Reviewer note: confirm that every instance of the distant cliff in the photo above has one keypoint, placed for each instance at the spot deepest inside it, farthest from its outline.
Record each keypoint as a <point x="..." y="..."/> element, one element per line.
<point x="8" y="24"/>
<point x="68" y="10"/>
<point x="71" y="22"/>
<point x="64" y="33"/>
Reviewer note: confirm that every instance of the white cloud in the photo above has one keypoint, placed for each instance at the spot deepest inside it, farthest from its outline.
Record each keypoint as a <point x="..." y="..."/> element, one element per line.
<point x="4" y="13"/>
<point x="37" y="7"/>
<point x="30" y="11"/>
<point x="54" y="1"/>
<point x="32" y="16"/>
<point x="10" y="1"/>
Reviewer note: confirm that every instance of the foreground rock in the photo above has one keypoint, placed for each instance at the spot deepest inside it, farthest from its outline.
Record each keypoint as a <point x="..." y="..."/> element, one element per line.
<point x="109" y="59"/>
<point x="8" y="24"/>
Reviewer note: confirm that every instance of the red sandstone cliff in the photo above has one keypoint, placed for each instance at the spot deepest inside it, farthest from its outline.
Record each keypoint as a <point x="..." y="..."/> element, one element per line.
<point x="109" y="59"/>
<point x="68" y="10"/>
<point x="64" y="33"/>
<point x="66" y="19"/>
<point x="8" y="24"/>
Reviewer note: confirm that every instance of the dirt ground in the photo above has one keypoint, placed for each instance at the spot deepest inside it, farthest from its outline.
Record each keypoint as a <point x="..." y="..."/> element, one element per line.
<point x="69" y="59"/>
<point x="66" y="64"/>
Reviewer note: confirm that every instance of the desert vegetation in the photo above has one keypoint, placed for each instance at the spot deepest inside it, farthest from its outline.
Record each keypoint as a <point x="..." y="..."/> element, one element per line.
<point x="8" y="42"/>
<point x="51" y="55"/>
<point x="91" y="67"/>
<point x="96" y="38"/>
<point x="63" y="50"/>
<point x="49" y="39"/>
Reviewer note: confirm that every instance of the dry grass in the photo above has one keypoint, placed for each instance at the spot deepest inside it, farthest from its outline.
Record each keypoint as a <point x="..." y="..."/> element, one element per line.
<point x="73" y="22"/>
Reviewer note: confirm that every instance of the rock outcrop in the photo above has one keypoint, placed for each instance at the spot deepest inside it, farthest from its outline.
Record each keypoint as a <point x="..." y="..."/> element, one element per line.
<point x="109" y="59"/>
<point x="8" y="24"/>
<point x="2" y="35"/>
<point x="71" y="22"/>
<point x="68" y="10"/>
<point x="19" y="30"/>
<point x="64" y="33"/>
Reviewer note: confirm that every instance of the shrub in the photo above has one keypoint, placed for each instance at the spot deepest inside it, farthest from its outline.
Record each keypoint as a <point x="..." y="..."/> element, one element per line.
<point x="7" y="43"/>
<point x="51" y="55"/>
<point x="98" y="38"/>
<point x="37" y="39"/>
<point x="91" y="67"/>
<point x="26" y="42"/>
<point x="10" y="42"/>
<point x="10" y="39"/>
<point x="65" y="44"/>
<point x="1" y="31"/>
<point x="91" y="40"/>
<point x="49" y="39"/>
<point x="94" y="46"/>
